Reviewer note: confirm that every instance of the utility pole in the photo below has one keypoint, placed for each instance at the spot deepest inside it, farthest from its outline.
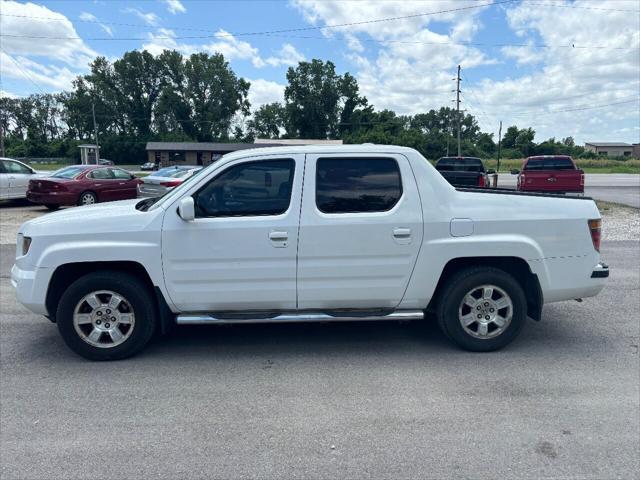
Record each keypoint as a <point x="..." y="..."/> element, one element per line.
<point x="499" y="146"/>
<point x="95" y="133"/>
<point x="2" y="137"/>
<point x="458" y="108"/>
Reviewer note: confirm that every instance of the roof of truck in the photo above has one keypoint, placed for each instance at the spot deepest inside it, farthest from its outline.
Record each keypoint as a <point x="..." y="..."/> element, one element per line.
<point x="319" y="149"/>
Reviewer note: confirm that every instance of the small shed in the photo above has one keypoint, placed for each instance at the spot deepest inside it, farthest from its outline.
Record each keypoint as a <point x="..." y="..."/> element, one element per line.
<point x="89" y="154"/>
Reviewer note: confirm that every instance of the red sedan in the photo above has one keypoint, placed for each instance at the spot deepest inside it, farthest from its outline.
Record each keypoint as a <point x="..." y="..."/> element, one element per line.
<point x="83" y="185"/>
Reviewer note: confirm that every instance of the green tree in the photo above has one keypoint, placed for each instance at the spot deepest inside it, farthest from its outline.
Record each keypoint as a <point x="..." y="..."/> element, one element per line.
<point x="318" y="100"/>
<point x="268" y="121"/>
<point x="510" y="136"/>
<point x="202" y="94"/>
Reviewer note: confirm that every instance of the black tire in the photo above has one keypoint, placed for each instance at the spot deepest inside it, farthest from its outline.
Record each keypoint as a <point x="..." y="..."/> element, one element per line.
<point x="87" y="194"/>
<point x="132" y="290"/>
<point x="454" y="292"/>
<point x="52" y="206"/>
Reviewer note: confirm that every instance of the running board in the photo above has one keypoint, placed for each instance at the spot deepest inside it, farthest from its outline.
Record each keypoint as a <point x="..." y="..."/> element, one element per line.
<point x="207" y="319"/>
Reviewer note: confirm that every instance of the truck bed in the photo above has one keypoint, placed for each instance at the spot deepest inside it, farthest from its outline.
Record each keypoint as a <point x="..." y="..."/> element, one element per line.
<point x="508" y="191"/>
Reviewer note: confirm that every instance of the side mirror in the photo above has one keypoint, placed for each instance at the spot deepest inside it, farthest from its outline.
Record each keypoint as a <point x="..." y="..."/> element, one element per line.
<point x="491" y="172"/>
<point x="186" y="209"/>
<point x="515" y="171"/>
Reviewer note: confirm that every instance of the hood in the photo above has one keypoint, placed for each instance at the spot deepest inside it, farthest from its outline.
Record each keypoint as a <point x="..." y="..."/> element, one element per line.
<point x="102" y="217"/>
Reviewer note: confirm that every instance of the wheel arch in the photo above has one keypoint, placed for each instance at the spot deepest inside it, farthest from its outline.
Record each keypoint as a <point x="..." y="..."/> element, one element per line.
<point x="64" y="275"/>
<point x="517" y="267"/>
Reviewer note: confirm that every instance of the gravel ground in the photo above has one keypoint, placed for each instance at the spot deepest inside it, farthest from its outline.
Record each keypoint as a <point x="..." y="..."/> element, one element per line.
<point x="620" y="223"/>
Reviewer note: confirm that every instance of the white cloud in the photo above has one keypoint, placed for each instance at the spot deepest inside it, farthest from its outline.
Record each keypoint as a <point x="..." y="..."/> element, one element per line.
<point x="233" y="49"/>
<point x="407" y="66"/>
<point x="37" y="76"/>
<point x="88" y="17"/>
<point x="288" y="55"/>
<point x="149" y="18"/>
<point x="264" y="91"/>
<point x="402" y="64"/>
<point x="570" y="78"/>
<point x="72" y="51"/>
<point x="41" y="64"/>
<point x="226" y="44"/>
<point x="175" y="6"/>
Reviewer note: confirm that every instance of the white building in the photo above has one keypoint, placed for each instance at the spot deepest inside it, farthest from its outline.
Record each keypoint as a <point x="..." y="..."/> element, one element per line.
<point x="609" y="149"/>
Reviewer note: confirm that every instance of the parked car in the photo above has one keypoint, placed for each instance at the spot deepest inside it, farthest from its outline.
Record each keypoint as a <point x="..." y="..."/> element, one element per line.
<point x="104" y="161"/>
<point x="83" y="185"/>
<point x="14" y="178"/>
<point x="464" y="171"/>
<point x="160" y="182"/>
<point x="308" y="233"/>
<point x="149" y="166"/>
<point x="550" y="174"/>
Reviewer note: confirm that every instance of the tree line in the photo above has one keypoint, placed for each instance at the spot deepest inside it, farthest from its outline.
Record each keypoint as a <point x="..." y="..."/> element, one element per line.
<point x="172" y="97"/>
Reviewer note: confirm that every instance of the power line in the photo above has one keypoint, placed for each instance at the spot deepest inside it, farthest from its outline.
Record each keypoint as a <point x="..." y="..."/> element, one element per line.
<point x="365" y="40"/>
<point x="581" y="7"/>
<point x="194" y="29"/>
<point x="323" y="27"/>
<point x="542" y="112"/>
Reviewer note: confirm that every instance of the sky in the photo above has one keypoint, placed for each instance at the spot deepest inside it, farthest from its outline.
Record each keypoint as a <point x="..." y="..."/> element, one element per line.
<point x="563" y="67"/>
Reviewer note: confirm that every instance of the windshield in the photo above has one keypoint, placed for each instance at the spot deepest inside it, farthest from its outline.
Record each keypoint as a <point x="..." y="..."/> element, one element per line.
<point x="68" y="172"/>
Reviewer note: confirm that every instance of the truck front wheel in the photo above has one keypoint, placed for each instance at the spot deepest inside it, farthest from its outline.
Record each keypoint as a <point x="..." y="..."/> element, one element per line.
<point x="482" y="309"/>
<point x="106" y="315"/>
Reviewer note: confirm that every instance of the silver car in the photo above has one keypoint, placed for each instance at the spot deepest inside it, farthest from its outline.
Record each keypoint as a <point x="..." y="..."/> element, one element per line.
<point x="160" y="182"/>
<point x="14" y="178"/>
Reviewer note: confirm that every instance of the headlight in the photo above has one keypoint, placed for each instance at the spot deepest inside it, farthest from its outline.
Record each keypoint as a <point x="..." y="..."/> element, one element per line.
<point x="26" y="244"/>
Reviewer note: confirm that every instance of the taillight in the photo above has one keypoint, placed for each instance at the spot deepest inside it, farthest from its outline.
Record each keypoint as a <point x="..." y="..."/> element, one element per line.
<point x="481" y="182"/>
<point x="582" y="179"/>
<point x="595" y="228"/>
<point x="172" y="183"/>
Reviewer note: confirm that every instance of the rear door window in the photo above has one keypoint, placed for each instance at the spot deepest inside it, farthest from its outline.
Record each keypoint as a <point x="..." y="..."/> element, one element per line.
<point x="101" y="174"/>
<point x="120" y="174"/>
<point x="351" y="185"/>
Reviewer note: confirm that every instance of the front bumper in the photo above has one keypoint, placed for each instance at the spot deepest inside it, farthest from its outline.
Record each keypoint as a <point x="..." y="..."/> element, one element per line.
<point x="31" y="288"/>
<point x="600" y="271"/>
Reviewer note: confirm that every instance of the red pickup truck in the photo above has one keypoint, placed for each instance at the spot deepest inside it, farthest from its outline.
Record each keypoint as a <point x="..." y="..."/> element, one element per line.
<point x="550" y="174"/>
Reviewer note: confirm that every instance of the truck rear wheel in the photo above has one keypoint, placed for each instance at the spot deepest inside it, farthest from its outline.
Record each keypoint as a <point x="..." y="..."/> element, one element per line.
<point x="106" y="315"/>
<point x="482" y="309"/>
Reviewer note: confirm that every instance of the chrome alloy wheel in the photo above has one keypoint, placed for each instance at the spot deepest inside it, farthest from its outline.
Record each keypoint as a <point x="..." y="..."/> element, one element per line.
<point x="87" y="199"/>
<point x="485" y="311"/>
<point x="103" y="319"/>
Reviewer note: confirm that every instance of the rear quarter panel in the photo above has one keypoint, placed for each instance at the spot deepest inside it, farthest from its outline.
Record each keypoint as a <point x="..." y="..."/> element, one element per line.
<point x="551" y="234"/>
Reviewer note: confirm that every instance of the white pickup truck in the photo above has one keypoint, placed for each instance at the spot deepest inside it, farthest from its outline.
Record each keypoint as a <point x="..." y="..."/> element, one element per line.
<point x="311" y="233"/>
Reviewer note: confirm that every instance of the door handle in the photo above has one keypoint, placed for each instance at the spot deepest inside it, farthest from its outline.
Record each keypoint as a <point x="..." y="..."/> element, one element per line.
<point x="402" y="232"/>
<point x="278" y="236"/>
